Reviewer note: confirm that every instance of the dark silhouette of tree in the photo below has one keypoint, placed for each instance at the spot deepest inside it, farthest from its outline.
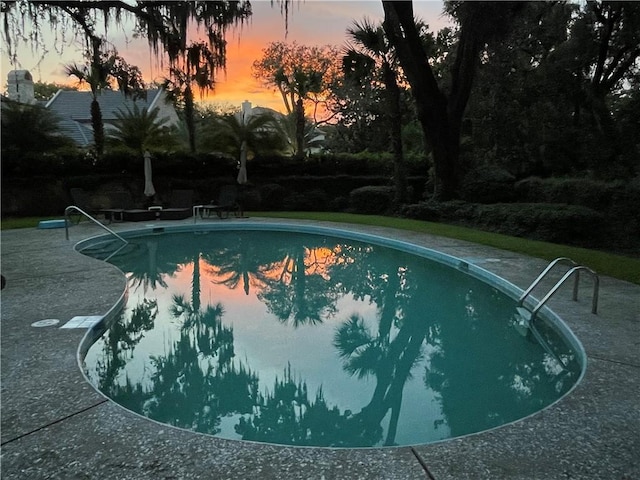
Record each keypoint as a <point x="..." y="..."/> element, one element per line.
<point x="140" y="130"/>
<point x="371" y="52"/>
<point x="196" y="69"/>
<point x="167" y="25"/>
<point x="257" y="134"/>
<point x="441" y="108"/>
<point x="100" y="69"/>
<point x="302" y="74"/>
<point x="29" y="128"/>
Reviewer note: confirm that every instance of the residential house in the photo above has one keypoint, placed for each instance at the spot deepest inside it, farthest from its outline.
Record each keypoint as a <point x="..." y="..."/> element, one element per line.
<point x="74" y="110"/>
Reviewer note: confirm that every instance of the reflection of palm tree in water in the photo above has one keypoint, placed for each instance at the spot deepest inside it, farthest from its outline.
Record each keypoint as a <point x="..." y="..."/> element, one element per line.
<point x="389" y="358"/>
<point x="286" y="277"/>
<point x="295" y="295"/>
<point x="148" y="275"/>
<point x="241" y="264"/>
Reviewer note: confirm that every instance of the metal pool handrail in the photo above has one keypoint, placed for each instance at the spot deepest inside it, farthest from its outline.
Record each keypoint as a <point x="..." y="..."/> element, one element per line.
<point x="544" y="273"/>
<point x="576" y="271"/>
<point x="79" y="210"/>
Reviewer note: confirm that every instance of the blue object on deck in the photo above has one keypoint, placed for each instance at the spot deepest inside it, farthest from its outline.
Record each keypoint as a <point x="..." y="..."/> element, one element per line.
<point x="52" y="223"/>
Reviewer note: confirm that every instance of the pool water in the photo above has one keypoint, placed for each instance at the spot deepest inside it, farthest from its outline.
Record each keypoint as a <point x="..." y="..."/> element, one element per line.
<point x="315" y="340"/>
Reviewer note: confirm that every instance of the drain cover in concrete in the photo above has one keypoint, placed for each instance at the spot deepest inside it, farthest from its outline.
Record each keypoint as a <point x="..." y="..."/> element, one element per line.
<point x="48" y="322"/>
<point x="86" y="321"/>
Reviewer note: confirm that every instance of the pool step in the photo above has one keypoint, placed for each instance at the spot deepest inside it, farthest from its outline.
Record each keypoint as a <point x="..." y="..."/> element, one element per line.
<point x="526" y="327"/>
<point x="523" y="321"/>
<point x="110" y="249"/>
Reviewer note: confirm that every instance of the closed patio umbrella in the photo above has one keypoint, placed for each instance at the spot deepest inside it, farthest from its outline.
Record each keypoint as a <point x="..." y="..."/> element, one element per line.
<point x="242" y="173"/>
<point x="149" y="191"/>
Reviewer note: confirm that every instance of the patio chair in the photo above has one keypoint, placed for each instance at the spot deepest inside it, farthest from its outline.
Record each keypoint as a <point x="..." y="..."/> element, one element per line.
<point x="180" y="206"/>
<point x="117" y="202"/>
<point x="227" y="202"/>
<point x="138" y="215"/>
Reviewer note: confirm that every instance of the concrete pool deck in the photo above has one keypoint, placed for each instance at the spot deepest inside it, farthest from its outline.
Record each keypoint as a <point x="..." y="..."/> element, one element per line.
<point x="56" y="426"/>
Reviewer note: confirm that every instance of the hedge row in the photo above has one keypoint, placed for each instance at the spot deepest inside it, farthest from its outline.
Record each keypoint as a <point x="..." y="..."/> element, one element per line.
<point x="71" y="161"/>
<point x="560" y="223"/>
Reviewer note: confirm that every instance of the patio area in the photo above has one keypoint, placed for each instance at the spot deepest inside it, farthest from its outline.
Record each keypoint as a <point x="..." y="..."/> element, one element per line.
<point x="57" y="426"/>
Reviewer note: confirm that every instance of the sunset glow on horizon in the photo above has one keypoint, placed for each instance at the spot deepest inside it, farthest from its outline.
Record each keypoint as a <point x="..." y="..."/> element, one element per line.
<point x="310" y="22"/>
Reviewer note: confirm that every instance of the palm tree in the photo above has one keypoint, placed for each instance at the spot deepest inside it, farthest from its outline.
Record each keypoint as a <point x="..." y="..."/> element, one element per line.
<point x="97" y="77"/>
<point x="370" y="53"/>
<point x="311" y="136"/>
<point x="196" y="69"/>
<point x="256" y="134"/>
<point x="140" y="129"/>
<point x="29" y="128"/>
<point x="97" y="73"/>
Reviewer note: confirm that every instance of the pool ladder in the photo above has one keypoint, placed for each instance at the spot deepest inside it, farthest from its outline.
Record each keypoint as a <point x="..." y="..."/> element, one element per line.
<point x="529" y="315"/>
<point x="526" y="325"/>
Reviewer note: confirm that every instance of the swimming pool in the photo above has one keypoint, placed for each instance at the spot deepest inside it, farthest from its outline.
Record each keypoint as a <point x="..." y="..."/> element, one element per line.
<point x="320" y="337"/>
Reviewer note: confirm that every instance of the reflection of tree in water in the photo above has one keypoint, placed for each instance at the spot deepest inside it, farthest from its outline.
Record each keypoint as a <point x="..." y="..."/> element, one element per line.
<point x="475" y="380"/>
<point x="390" y="354"/>
<point x="298" y="291"/>
<point x="242" y="262"/>
<point x="147" y="272"/>
<point x="196" y="380"/>
<point x="287" y="416"/>
<point x="120" y="340"/>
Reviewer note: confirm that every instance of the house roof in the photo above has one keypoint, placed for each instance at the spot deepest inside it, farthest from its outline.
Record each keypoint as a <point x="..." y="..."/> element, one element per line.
<point x="73" y="108"/>
<point x="79" y="133"/>
<point x="76" y="106"/>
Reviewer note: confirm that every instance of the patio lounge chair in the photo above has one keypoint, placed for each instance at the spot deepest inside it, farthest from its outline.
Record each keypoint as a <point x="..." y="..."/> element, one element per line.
<point x="180" y="206"/>
<point x="227" y="202"/>
<point x="118" y="202"/>
<point x="138" y="215"/>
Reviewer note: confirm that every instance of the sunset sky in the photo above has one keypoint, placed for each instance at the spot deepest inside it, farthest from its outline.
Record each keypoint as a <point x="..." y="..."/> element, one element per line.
<point x="311" y="22"/>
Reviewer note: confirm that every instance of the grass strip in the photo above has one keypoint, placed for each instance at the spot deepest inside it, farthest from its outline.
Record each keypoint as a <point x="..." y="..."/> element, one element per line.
<point x="24" y="222"/>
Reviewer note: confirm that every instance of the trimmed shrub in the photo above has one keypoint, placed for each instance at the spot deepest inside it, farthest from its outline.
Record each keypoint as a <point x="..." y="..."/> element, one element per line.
<point x="624" y="215"/>
<point x="272" y="196"/>
<point x="371" y="199"/>
<point x="250" y="198"/>
<point x="20" y="198"/>
<point x="572" y="224"/>
<point x="549" y="222"/>
<point x="312" y="201"/>
<point x="487" y="185"/>
<point x="433" y="211"/>
<point x="573" y="191"/>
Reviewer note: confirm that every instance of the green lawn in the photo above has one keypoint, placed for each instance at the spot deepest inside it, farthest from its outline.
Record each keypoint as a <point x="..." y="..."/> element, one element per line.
<point x="26" y="222"/>
<point x="617" y="266"/>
